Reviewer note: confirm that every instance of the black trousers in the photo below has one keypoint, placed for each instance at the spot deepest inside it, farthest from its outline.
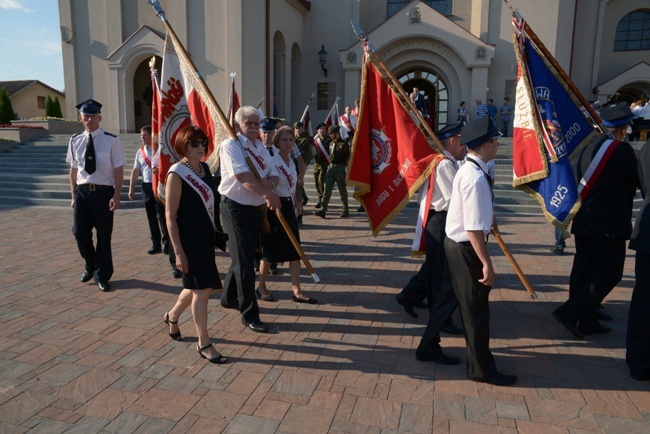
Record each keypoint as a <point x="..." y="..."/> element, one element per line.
<point x="597" y="269"/>
<point x="466" y="268"/>
<point x="442" y="300"/>
<point x="242" y="224"/>
<point x="155" y="217"/>
<point x="91" y="211"/>
<point x="638" y="321"/>
<point x="415" y="290"/>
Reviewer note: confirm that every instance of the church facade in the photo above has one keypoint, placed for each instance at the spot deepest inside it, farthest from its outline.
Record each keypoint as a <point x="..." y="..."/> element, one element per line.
<point x="282" y="51"/>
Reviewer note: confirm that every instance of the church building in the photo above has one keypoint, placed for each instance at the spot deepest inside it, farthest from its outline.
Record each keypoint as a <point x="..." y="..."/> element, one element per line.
<point x="284" y="50"/>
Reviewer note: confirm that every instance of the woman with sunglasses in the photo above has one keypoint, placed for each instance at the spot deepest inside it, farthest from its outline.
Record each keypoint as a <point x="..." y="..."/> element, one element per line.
<point x="190" y="213"/>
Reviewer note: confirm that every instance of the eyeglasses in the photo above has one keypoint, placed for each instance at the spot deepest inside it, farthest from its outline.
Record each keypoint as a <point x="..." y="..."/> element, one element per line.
<point x="197" y="143"/>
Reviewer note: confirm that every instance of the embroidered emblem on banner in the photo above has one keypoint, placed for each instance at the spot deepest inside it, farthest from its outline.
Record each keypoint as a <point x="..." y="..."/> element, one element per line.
<point x="381" y="150"/>
<point x="550" y="120"/>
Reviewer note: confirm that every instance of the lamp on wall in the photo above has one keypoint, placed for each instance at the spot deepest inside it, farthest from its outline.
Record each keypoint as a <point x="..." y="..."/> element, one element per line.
<point x="322" y="58"/>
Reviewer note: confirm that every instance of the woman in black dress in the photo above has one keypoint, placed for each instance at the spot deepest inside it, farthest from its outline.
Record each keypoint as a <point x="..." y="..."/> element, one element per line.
<point x="276" y="245"/>
<point x="190" y="213"/>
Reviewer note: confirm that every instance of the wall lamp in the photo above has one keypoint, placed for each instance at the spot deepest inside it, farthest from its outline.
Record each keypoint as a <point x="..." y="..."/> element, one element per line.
<point x="322" y="58"/>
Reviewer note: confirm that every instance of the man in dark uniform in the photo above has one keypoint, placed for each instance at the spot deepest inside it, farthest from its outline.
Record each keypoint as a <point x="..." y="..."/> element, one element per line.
<point x="602" y="224"/>
<point x="638" y="322"/>
<point x="469" y="220"/>
<point x="320" y="164"/>
<point x="97" y="164"/>
<point x="434" y="206"/>
<point x="339" y="154"/>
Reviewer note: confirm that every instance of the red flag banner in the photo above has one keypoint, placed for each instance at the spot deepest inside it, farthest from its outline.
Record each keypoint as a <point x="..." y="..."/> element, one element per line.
<point x="391" y="156"/>
<point x="233" y="102"/>
<point x="184" y="101"/>
<point x="155" y="112"/>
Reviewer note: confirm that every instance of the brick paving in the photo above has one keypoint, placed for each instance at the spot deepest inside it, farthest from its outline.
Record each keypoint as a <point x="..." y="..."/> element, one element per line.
<point x="74" y="359"/>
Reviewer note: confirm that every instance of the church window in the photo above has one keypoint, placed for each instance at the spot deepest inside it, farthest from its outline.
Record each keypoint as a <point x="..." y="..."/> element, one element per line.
<point x="633" y="32"/>
<point x="442" y="6"/>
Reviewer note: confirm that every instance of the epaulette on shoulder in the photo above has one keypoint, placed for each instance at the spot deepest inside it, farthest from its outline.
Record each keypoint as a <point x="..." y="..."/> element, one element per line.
<point x="109" y="134"/>
<point x="75" y="135"/>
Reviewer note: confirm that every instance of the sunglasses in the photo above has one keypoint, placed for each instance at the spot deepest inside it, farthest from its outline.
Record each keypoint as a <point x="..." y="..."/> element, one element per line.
<point x="197" y="143"/>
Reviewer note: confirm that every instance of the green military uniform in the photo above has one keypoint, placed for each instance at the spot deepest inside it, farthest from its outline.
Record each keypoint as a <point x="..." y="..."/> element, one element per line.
<point x="320" y="170"/>
<point x="339" y="155"/>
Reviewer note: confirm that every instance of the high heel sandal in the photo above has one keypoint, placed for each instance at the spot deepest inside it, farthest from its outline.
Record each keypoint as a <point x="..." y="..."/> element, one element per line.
<point x="218" y="360"/>
<point x="175" y="336"/>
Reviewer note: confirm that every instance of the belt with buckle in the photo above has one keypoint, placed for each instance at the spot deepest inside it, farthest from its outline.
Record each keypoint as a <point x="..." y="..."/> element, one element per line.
<point x="93" y="187"/>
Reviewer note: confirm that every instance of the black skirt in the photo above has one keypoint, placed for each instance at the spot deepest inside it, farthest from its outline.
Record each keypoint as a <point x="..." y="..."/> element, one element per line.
<point x="276" y="245"/>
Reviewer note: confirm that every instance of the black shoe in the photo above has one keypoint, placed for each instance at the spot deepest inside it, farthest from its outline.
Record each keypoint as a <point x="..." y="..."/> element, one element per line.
<point x="557" y="251"/>
<point x="256" y="326"/>
<point x="104" y="285"/>
<point x="572" y="328"/>
<point x="176" y="274"/>
<point x="360" y="209"/>
<point x="264" y="297"/>
<point x="453" y="330"/>
<point x="154" y="249"/>
<point x="307" y="300"/>
<point x="437" y="356"/>
<point x="345" y="214"/>
<point x="599" y="312"/>
<point x="593" y="329"/>
<point x="227" y="305"/>
<point x="406" y="304"/>
<point x="218" y="360"/>
<point x="320" y="214"/>
<point x="274" y="269"/>
<point x="317" y="206"/>
<point x="640" y="377"/>
<point x="86" y="277"/>
<point x="175" y="336"/>
<point x="497" y="379"/>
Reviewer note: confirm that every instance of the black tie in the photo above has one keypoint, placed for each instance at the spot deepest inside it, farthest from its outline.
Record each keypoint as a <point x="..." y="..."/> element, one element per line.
<point x="90" y="165"/>
<point x="270" y="149"/>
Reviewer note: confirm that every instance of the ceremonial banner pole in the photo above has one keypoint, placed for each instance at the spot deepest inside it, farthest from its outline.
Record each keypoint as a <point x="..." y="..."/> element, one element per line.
<point x="398" y="91"/>
<point x="514" y="264"/>
<point x="161" y="14"/>
<point x="304" y="113"/>
<point x="550" y="59"/>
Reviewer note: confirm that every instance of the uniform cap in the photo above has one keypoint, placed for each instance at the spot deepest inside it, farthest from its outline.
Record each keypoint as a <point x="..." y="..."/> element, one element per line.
<point x="450" y="130"/>
<point x="90" y="107"/>
<point x="321" y="125"/>
<point x="616" y="116"/>
<point x="333" y="129"/>
<point x="267" y="125"/>
<point x="478" y="132"/>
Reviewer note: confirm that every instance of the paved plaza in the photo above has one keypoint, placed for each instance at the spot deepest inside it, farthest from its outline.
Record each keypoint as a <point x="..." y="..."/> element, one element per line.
<point x="75" y="359"/>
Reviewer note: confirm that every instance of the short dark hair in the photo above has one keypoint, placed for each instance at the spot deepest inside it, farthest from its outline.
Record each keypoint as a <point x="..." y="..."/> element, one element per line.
<point x="185" y="135"/>
<point x="146" y="129"/>
<point x="506" y="99"/>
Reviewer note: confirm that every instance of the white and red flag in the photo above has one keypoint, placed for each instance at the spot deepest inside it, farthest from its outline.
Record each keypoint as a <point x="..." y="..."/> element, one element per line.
<point x="391" y="156"/>
<point x="184" y="101"/>
<point x="155" y="126"/>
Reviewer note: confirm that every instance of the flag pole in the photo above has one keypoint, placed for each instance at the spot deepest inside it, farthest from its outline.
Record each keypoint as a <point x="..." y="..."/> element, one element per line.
<point x="550" y="59"/>
<point x="161" y="14"/>
<point x="514" y="264"/>
<point x="304" y="113"/>
<point x="398" y="91"/>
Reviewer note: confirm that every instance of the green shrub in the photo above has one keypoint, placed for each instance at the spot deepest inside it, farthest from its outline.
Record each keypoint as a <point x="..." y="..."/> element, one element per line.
<point x="57" y="113"/>
<point x="6" y="109"/>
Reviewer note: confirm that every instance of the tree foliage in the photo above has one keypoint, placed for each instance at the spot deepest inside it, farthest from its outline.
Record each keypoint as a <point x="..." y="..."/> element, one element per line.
<point x="49" y="107"/>
<point x="6" y="109"/>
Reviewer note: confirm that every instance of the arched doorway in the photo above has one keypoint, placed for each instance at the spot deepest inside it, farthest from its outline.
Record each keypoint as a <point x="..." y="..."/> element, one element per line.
<point x="435" y="90"/>
<point x="142" y="93"/>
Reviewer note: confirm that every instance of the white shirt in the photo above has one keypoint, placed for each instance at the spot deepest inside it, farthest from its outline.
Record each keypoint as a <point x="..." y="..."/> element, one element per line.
<point x="233" y="162"/>
<point x="109" y="155"/>
<point x="444" y="180"/>
<point x="139" y="163"/>
<point x="471" y="207"/>
<point x="288" y="176"/>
